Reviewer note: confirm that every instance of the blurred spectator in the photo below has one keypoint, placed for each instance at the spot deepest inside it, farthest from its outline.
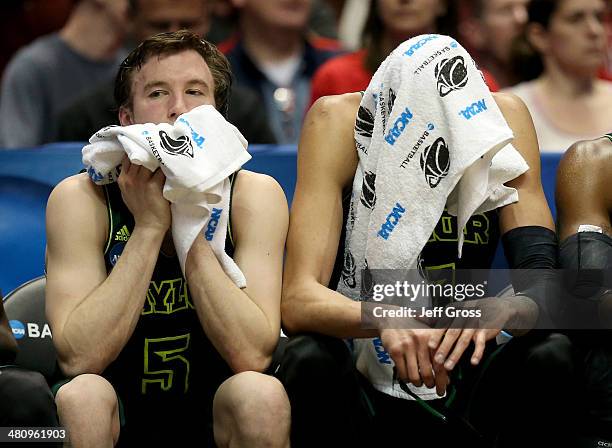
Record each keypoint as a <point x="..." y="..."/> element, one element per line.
<point x="223" y="23"/>
<point x="97" y="109"/>
<point x="322" y="20"/>
<point x="274" y="54"/>
<point x="51" y="72"/>
<point x="563" y="48"/>
<point x="351" y="21"/>
<point x="150" y="17"/>
<point x="487" y="29"/>
<point x="22" y="21"/>
<point x="390" y="22"/>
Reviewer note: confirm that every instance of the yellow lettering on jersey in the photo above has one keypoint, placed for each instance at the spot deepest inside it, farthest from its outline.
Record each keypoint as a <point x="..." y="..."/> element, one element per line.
<point x="166" y="297"/>
<point x="164" y="363"/>
<point x="476" y="230"/>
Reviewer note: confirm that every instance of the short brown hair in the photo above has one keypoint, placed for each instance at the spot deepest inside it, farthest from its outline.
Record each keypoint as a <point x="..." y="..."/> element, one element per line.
<point x="171" y="43"/>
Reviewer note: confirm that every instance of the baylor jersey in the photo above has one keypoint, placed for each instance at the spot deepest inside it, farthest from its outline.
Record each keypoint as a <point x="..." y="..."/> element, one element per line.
<point x="168" y="357"/>
<point x="481" y="238"/>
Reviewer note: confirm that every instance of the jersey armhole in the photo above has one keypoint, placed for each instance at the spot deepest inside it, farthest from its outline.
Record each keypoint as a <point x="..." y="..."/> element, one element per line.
<point x="109" y="217"/>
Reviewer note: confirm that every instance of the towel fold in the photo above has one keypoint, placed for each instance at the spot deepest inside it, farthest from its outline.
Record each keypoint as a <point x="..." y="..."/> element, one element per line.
<point x="429" y="134"/>
<point x="197" y="154"/>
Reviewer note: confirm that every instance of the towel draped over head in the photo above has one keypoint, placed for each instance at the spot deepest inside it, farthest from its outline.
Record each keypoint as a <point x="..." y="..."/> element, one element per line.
<point x="429" y="135"/>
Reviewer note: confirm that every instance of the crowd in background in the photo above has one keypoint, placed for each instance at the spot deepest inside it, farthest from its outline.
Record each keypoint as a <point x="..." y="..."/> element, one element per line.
<point x="58" y="58"/>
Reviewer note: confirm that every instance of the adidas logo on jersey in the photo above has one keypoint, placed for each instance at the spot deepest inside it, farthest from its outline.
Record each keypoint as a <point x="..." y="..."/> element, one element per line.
<point x="123" y="234"/>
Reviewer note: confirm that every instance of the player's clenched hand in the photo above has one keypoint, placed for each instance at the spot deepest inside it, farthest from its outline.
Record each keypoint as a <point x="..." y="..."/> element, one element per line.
<point x="141" y="190"/>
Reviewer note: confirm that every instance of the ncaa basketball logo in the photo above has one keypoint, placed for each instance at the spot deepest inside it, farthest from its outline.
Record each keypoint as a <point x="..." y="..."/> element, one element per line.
<point x="364" y="124"/>
<point x="391" y="100"/>
<point x="435" y="162"/>
<point x="179" y="147"/>
<point x="451" y="74"/>
<point x="367" y="282"/>
<point x="348" y="271"/>
<point x="368" y="190"/>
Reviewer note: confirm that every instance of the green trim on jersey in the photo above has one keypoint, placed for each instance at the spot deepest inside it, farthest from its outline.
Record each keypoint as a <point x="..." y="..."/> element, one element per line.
<point x="110" y="218"/>
<point x="229" y="220"/>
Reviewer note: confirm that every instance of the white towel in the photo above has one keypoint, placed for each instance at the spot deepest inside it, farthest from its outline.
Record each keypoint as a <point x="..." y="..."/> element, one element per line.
<point x="197" y="154"/>
<point x="428" y="134"/>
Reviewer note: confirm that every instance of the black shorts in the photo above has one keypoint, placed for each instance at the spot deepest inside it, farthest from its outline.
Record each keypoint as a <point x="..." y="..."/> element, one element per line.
<point x="177" y="421"/>
<point x="523" y="393"/>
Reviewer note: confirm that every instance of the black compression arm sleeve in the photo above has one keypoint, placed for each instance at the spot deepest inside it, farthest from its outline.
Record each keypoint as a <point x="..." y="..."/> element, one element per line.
<point x="533" y="251"/>
<point x="586" y="258"/>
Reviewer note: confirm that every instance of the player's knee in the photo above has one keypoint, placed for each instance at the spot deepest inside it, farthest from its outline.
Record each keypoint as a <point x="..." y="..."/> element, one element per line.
<point x="85" y="392"/>
<point x="257" y="403"/>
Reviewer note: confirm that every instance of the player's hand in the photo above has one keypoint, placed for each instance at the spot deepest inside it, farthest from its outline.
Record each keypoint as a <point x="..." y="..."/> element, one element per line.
<point x="478" y="321"/>
<point x="412" y="356"/>
<point x="141" y="191"/>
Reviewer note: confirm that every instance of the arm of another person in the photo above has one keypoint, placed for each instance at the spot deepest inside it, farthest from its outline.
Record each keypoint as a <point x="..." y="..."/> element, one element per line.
<point x="583" y="196"/>
<point x="92" y="315"/>
<point x="530" y="210"/>
<point x="327" y="160"/>
<point x="8" y="344"/>
<point x="244" y="324"/>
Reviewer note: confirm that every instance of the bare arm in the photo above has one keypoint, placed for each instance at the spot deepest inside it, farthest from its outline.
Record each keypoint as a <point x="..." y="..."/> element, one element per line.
<point x="531" y="208"/>
<point x="327" y="160"/>
<point x="244" y="324"/>
<point x="583" y="193"/>
<point x="91" y="315"/>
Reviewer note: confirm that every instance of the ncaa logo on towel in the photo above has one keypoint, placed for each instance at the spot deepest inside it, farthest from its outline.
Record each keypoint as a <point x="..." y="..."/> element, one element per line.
<point x="451" y="74"/>
<point x="392" y="220"/>
<point x="474" y="109"/>
<point x="368" y="190"/>
<point x="197" y="138"/>
<point x="381" y="354"/>
<point x="176" y="147"/>
<point x="95" y="176"/>
<point x="416" y="46"/>
<point x="401" y="123"/>
<point x="211" y="227"/>
<point x="435" y="162"/>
